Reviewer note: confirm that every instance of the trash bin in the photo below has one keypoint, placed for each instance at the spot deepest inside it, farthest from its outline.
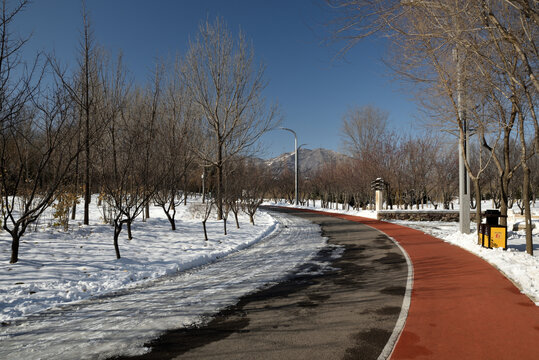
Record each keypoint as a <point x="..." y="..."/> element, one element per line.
<point x="491" y="234"/>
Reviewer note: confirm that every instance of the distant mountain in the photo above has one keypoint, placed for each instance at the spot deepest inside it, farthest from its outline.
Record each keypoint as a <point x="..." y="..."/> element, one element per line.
<point x="309" y="160"/>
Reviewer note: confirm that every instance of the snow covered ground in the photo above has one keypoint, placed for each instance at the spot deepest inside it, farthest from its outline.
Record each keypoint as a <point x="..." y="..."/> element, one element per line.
<point x="59" y="267"/>
<point x="521" y="268"/>
<point x="99" y="306"/>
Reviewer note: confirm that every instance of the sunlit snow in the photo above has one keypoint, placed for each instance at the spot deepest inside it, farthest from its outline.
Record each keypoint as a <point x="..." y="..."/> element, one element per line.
<point x="55" y="269"/>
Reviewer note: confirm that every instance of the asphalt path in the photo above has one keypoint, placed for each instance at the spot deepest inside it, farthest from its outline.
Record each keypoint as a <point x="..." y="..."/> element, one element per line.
<point x="348" y="312"/>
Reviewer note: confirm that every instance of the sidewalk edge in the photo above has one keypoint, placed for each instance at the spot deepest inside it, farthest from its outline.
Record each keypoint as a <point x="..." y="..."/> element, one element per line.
<point x="401" y="321"/>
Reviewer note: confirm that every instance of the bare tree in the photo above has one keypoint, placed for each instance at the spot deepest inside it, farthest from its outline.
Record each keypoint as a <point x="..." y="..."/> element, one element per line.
<point x="15" y="92"/>
<point x="36" y="155"/>
<point x="223" y="81"/>
<point x="255" y="188"/>
<point x="86" y="89"/>
<point x="362" y="126"/>
<point x="420" y="155"/>
<point x="86" y="100"/>
<point x="445" y="177"/>
<point x="234" y="204"/>
<point x="176" y="131"/>
<point x="524" y="158"/>
<point x="126" y="153"/>
<point x="204" y="211"/>
<point x="463" y="56"/>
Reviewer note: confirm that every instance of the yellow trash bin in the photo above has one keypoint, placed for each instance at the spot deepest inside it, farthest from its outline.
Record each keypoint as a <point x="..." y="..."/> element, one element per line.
<point x="491" y="234"/>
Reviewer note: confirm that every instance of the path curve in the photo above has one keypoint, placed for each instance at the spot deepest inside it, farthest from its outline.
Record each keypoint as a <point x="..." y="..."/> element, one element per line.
<point x="346" y="312"/>
<point x="122" y="322"/>
<point x="461" y="306"/>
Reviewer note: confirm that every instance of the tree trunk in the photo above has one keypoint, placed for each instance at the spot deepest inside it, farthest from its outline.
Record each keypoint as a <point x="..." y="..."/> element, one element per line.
<point x="14" y="247"/>
<point x="74" y="209"/>
<point x="527" y="210"/>
<point x="170" y="220"/>
<point x="86" y="90"/>
<point x="147" y="209"/>
<point x="185" y="187"/>
<point x="504" y="182"/>
<point x="129" y="234"/>
<point x="117" y="231"/>
<point x="87" y="194"/>
<point x="224" y="224"/>
<point x="87" y="200"/>
<point x="219" y="198"/>
<point x="203" y="184"/>
<point x="252" y="219"/>
<point x="477" y="189"/>
<point x="77" y="176"/>
<point x="236" y="218"/>
<point x="205" y="232"/>
<point x="525" y="185"/>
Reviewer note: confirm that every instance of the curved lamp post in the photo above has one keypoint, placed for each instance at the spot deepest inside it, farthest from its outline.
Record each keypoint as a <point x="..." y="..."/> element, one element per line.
<point x="295" y="163"/>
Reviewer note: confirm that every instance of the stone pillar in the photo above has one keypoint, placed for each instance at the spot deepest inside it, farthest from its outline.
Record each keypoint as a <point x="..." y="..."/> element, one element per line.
<point x="379" y="199"/>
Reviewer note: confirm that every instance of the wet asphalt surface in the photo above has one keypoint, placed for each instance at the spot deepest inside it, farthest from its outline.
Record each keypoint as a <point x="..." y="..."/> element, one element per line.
<point x="347" y="312"/>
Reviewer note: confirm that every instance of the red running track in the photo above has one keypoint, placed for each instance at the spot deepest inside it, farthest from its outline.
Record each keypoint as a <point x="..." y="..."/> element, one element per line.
<point x="461" y="306"/>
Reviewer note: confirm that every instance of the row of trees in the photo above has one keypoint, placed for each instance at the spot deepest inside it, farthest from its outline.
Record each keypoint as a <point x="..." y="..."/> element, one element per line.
<point x="66" y="133"/>
<point x="473" y="66"/>
<point x="419" y="170"/>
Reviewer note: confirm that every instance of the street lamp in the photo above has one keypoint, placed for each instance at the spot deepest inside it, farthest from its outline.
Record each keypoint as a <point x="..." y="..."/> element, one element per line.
<point x="295" y="163"/>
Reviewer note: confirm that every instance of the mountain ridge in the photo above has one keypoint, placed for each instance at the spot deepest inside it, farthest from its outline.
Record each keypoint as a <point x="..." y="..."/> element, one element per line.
<point x="310" y="160"/>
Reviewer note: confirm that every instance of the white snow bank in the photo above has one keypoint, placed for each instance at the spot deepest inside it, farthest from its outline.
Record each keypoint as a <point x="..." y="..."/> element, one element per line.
<point x="58" y="267"/>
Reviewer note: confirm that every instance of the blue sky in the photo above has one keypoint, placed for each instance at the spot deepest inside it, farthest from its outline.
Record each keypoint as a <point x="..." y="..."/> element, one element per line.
<point x="312" y="87"/>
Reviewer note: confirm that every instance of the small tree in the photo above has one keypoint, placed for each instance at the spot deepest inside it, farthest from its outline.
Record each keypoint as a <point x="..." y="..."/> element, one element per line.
<point x="255" y="188"/>
<point x="36" y="155"/>
<point x="62" y="207"/>
<point x="234" y="180"/>
<point x="176" y="128"/>
<point x="203" y="211"/>
<point x="125" y="157"/>
<point x="208" y="207"/>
